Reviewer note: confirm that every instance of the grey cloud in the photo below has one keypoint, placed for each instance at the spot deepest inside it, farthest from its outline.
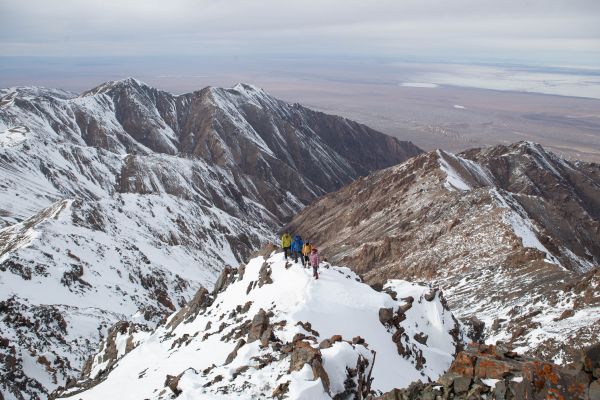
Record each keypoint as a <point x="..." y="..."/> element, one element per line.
<point x="90" y="27"/>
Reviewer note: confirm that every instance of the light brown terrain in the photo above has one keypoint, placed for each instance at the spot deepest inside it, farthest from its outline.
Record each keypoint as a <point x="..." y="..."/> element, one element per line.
<point x="510" y="233"/>
<point x="371" y="92"/>
<point x="569" y="126"/>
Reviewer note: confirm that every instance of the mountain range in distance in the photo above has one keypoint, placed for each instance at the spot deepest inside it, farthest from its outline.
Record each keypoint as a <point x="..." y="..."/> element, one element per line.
<point x="121" y="205"/>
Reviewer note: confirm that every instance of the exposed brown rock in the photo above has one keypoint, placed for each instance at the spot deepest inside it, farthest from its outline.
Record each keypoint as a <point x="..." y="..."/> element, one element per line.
<point x="225" y="278"/>
<point x="325" y="344"/>
<point x="260" y="323"/>
<point x="461" y="240"/>
<point x="518" y="378"/>
<point x="281" y="390"/>
<point x="320" y="373"/>
<point x="303" y="353"/>
<point x="336" y="338"/>
<point x="171" y="382"/>
<point x="201" y="300"/>
<point x="421" y="338"/>
<point x="233" y="353"/>
<point x="386" y="315"/>
<point x="264" y="275"/>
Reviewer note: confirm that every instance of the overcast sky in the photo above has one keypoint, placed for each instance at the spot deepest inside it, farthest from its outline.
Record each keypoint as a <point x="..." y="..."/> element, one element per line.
<point x="536" y="31"/>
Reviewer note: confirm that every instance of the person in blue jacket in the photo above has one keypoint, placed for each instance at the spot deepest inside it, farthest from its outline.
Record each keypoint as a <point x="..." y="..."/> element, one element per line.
<point x="297" y="244"/>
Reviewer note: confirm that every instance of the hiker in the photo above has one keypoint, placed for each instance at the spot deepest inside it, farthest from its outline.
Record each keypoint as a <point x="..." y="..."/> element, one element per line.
<point x="306" y="254"/>
<point x="296" y="247"/>
<point x="286" y="242"/>
<point x="315" y="260"/>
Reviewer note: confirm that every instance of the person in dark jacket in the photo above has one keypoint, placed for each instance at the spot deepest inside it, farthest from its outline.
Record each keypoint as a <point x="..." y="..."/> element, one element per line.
<point x="297" y="247"/>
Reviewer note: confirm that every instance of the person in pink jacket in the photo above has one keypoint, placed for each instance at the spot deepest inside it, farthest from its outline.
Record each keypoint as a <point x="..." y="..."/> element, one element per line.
<point x="315" y="260"/>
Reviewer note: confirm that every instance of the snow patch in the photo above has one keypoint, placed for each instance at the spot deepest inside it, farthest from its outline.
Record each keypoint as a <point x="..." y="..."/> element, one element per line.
<point x="453" y="179"/>
<point x="294" y="296"/>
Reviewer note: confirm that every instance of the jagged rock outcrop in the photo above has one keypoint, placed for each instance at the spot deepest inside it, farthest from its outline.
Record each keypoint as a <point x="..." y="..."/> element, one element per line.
<point x="486" y="371"/>
<point x="123" y="200"/>
<point x="290" y="338"/>
<point x="511" y="233"/>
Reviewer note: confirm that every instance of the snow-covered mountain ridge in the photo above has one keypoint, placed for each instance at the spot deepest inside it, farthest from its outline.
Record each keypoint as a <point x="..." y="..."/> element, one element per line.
<point x="269" y="329"/>
<point x="120" y="202"/>
<point x="511" y="233"/>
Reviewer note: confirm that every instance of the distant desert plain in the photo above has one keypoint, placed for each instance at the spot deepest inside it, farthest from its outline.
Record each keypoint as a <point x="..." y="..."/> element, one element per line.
<point x="436" y="105"/>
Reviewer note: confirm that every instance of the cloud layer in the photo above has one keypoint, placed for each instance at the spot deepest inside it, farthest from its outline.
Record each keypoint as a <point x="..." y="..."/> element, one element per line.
<point x="559" y="32"/>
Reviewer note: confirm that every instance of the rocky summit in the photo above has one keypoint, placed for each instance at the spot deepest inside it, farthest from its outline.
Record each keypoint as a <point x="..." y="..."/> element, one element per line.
<point x="120" y="202"/>
<point x="510" y="233"/>
<point x="268" y="329"/>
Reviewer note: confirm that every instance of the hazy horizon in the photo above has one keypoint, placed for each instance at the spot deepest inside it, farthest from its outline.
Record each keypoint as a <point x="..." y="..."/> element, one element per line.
<point x="415" y="69"/>
<point x="545" y="46"/>
<point x="185" y="74"/>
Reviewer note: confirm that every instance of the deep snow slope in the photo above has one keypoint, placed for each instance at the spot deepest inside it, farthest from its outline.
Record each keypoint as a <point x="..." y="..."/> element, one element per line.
<point x="269" y="328"/>
<point x="123" y="200"/>
<point x="511" y="233"/>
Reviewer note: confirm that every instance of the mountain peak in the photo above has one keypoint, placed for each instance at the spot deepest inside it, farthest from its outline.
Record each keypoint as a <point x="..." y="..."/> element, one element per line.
<point x="168" y="189"/>
<point x="128" y="82"/>
<point x="245" y="92"/>
<point x="247" y="87"/>
<point x="484" y="218"/>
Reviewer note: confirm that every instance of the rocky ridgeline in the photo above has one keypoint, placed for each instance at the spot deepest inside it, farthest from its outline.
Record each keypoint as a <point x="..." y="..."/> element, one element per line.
<point x="510" y="233"/>
<point x="493" y="372"/>
<point x="121" y="201"/>
<point x="268" y="329"/>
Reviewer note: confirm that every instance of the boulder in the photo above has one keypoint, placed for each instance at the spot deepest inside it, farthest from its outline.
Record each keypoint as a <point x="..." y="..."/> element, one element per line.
<point x="303" y="353"/>
<point x="267" y="336"/>
<point x="429" y="296"/>
<point x="461" y="384"/>
<point x="223" y="280"/>
<point x="281" y="390"/>
<point x="264" y="275"/>
<point x="171" y="382"/>
<point x="386" y="315"/>
<point x="475" y="329"/>
<point x="308" y="328"/>
<point x="464" y="364"/>
<point x="421" y="338"/>
<point x="591" y="359"/>
<point x="259" y="325"/>
<point x="594" y="390"/>
<point x="199" y="302"/>
<point x="233" y="354"/>
<point x="500" y="390"/>
<point x="336" y="338"/>
<point x="358" y="340"/>
<point x="320" y="373"/>
<point x="404" y="308"/>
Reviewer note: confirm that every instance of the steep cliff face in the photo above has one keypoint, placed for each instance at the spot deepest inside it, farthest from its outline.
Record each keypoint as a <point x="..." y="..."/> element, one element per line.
<point x="125" y="199"/>
<point x="268" y="146"/>
<point x="511" y="233"/>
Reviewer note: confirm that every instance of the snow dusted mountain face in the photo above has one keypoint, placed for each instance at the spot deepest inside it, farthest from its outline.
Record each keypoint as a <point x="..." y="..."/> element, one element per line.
<point x="510" y="233"/>
<point x="270" y="330"/>
<point x="117" y="204"/>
